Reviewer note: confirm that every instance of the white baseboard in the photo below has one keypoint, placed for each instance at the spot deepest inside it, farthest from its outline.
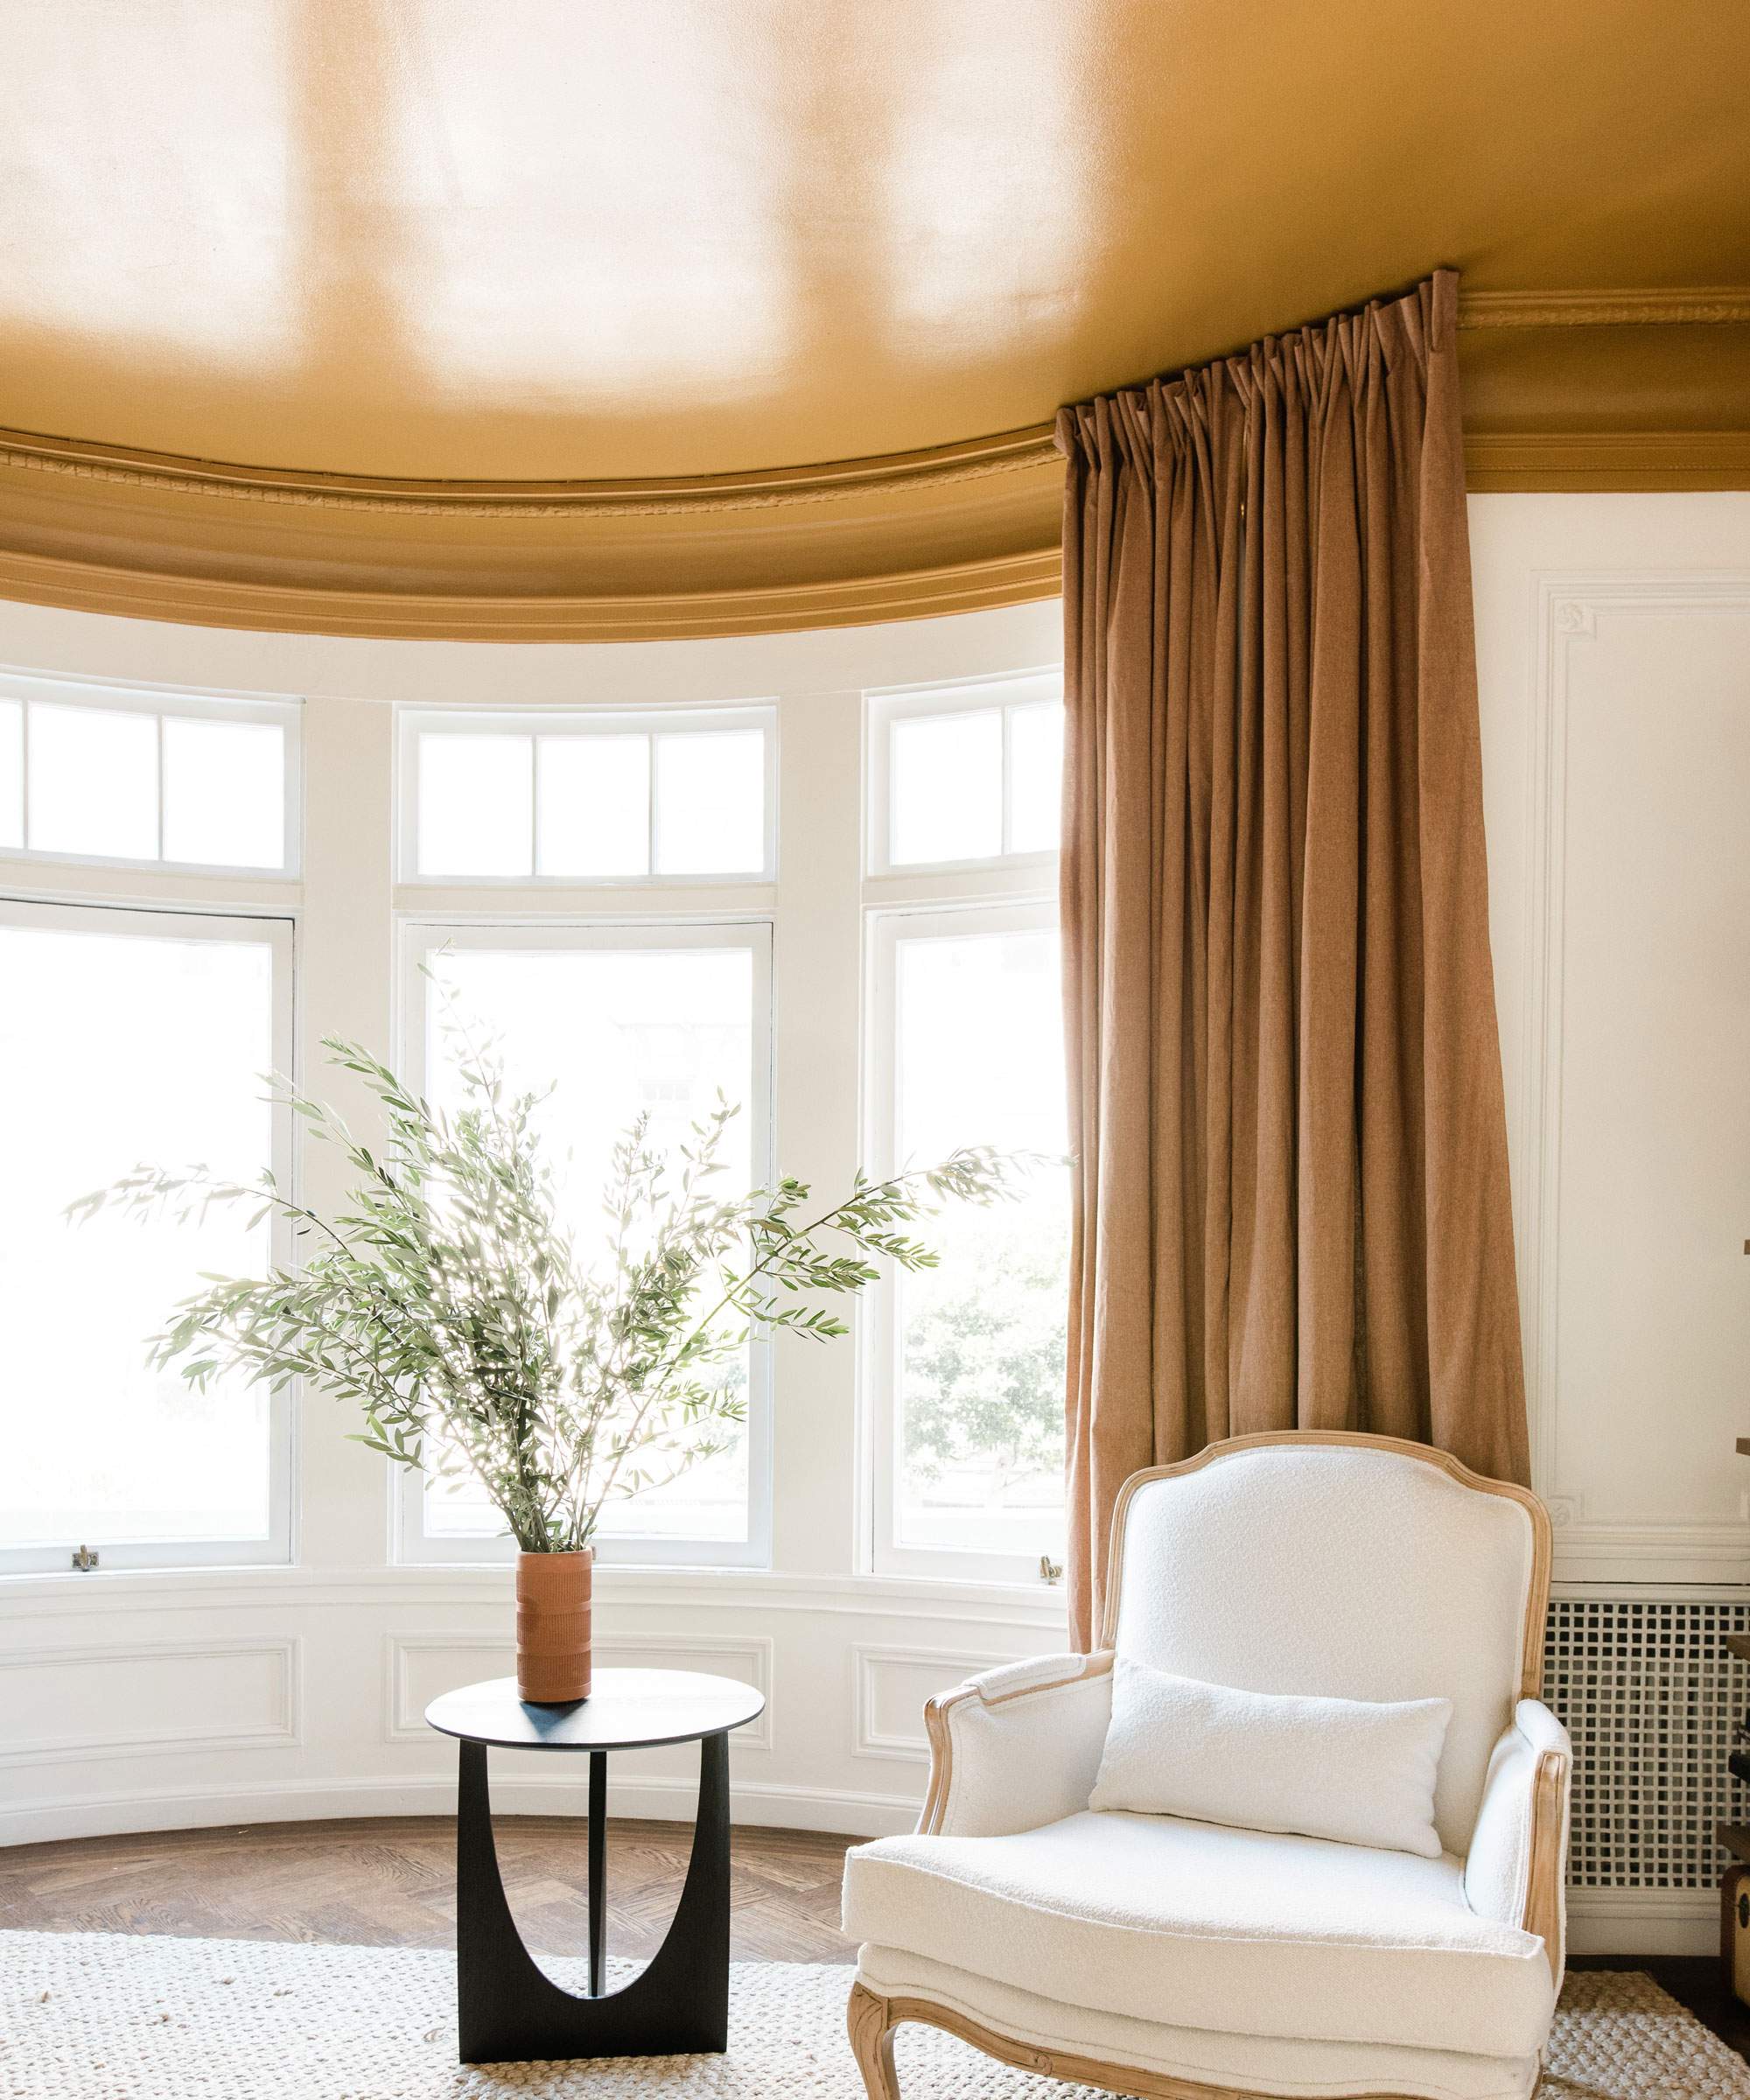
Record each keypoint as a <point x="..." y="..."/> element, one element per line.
<point x="765" y="1804"/>
<point x="1643" y="1920"/>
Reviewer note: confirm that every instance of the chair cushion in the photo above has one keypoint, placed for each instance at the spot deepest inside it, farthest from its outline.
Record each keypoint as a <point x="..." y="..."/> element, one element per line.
<point x="1359" y="1770"/>
<point x="1198" y="1926"/>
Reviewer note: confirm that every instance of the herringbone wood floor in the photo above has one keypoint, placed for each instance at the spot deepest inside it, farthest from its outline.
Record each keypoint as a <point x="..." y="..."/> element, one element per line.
<point x="391" y="1882"/>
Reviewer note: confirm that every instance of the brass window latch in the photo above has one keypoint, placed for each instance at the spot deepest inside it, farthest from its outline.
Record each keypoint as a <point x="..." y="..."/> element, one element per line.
<point x="1050" y="1569"/>
<point x="85" y="1560"/>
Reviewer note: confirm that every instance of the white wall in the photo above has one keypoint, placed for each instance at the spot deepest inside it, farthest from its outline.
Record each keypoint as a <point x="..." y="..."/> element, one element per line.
<point x="1614" y="643"/>
<point x="1613" y="639"/>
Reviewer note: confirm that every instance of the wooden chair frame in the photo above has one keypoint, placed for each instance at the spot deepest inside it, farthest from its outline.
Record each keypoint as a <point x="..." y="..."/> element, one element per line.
<point x="872" y="2018"/>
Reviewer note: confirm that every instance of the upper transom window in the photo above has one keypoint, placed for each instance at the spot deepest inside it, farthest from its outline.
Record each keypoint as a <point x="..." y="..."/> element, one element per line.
<point x="965" y="775"/>
<point x="143" y="776"/>
<point x="681" y="796"/>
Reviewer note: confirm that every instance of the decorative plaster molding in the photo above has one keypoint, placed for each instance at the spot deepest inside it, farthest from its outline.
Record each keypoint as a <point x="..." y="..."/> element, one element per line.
<point x="441" y="616"/>
<point x="834" y="481"/>
<point x="1568" y="607"/>
<point x="1605" y="462"/>
<point x="868" y="1740"/>
<point x="1709" y="305"/>
<point x="286" y="1732"/>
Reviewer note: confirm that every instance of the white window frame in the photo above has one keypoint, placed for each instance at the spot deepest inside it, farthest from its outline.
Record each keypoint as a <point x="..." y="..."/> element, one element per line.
<point x="964" y="697"/>
<point x="419" y="937"/>
<point x="885" y="926"/>
<point x="175" y="704"/>
<point x="412" y="723"/>
<point x="277" y="932"/>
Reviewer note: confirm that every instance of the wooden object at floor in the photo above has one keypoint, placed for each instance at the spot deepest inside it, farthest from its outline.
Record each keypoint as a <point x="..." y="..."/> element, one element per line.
<point x="391" y="1881"/>
<point x="871" y="2021"/>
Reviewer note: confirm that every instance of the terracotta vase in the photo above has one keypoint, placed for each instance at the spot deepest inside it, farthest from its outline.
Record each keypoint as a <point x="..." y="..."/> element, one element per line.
<point x="553" y="1627"/>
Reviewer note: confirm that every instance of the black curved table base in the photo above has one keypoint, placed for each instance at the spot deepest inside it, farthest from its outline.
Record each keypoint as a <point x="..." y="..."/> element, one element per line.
<point x="510" y="2013"/>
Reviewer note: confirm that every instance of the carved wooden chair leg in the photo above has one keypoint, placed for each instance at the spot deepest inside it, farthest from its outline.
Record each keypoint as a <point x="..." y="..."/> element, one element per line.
<point x="872" y="2042"/>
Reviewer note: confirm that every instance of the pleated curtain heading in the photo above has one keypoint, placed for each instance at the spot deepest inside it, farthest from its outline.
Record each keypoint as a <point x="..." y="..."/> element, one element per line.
<point x="1285" y="1098"/>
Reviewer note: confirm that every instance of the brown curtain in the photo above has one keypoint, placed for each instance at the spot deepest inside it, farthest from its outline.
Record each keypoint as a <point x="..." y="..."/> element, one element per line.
<point x="1285" y="1075"/>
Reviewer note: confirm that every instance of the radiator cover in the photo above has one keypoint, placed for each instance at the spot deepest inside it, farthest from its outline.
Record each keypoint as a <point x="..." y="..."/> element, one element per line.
<point x="1650" y="1695"/>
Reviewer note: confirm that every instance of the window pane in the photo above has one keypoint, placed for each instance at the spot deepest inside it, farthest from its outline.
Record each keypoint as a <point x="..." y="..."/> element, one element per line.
<point x="1035" y="778"/>
<point x="711" y="802"/>
<point x="594" y="798"/>
<point x="12" y="773"/>
<point x="114" y="1049"/>
<point x="224" y="793"/>
<point x="93" y="782"/>
<point x="476" y="810"/>
<point x="947" y="787"/>
<point x="982" y="1336"/>
<point x="624" y="1031"/>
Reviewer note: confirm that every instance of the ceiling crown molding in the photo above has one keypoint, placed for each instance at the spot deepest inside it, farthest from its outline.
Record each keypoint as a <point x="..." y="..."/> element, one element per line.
<point x="837" y="481"/>
<point x="1705" y="304"/>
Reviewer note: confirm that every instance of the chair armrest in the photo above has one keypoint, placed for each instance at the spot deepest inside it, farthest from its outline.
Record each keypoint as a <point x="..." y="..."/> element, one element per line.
<point x="1018" y="1748"/>
<point x="1518" y="1864"/>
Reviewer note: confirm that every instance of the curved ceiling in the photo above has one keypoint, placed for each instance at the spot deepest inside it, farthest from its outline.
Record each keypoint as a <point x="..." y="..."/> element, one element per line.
<point x="540" y="242"/>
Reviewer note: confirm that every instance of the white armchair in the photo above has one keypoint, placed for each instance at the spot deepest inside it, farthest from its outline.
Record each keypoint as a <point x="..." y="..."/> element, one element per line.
<point x="1156" y="1956"/>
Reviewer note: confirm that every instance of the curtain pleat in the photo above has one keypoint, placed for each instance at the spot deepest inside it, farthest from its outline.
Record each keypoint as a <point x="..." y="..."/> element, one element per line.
<point x="1285" y="1078"/>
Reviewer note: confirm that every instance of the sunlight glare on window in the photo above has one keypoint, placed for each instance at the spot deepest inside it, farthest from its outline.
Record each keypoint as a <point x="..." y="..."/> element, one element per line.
<point x="982" y="1336"/>
<point x="118" y="1048"/>
<point x="711" y="802"/>
<point x="625" y="1032"/>
<point x="1035" y="778"/>
<point x="947" y="787"/>
<point x="224" y="792"/>
<point x="12" y="773"/>
<point x="594" y="805"/>
<point x="94" y="781"/>
<point x="476" y="805"/>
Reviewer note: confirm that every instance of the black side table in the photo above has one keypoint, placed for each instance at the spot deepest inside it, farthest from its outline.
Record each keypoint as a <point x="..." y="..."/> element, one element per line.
<point x="508" y="2011"/>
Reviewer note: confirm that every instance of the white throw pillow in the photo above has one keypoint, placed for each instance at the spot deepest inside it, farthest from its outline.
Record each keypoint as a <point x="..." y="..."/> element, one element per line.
<point x="1344" y="1769"/>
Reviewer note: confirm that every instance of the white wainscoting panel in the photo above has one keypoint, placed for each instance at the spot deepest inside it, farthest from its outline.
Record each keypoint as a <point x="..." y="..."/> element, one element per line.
<point x="1634" y="1154"/>
<point x="75" y="1702"/>
<point x="421" y="1666"/>
<point x="892" y="1684"/>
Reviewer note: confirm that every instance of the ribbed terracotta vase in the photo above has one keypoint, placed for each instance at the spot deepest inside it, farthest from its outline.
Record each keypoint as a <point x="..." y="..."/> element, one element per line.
<point x="553" y="1627"/>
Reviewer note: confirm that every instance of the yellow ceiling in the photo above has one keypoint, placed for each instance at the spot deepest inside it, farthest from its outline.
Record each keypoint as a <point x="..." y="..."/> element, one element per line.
<point x="551" y="240"/>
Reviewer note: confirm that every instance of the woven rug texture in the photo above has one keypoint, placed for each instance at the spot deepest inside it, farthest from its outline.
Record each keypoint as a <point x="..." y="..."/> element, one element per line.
<point x="102" y="2016"/>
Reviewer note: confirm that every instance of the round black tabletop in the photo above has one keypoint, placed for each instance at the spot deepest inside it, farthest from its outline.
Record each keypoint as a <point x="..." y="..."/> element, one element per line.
<point x="626" y="1709"/>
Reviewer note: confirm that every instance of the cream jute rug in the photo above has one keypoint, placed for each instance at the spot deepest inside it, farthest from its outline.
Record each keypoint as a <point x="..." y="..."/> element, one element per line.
<point x="100" y="2016"/>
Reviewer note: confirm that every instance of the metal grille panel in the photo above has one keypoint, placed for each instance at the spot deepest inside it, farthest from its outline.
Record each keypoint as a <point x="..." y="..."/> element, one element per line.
<point x="1648" y="1694"/>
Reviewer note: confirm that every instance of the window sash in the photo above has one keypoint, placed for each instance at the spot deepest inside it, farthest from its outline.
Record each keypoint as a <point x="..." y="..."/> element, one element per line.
<point x="277" y="934"/>
<point x="420" y="939"/>
<point x="969" y="697"/>
<point x="415" y="724"/>
<point x="884" y="1341"/>
<point x="163" y="704"/>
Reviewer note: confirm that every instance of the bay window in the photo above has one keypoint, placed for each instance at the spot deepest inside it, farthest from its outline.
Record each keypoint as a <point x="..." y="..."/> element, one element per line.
<point x="596" y="889"/>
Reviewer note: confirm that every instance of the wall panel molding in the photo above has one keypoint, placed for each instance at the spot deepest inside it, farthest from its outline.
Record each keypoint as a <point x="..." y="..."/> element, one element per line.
<point x="878" y="1670"/>
<point x="276" y="1696"/>
<point x="1568" y="607"/>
